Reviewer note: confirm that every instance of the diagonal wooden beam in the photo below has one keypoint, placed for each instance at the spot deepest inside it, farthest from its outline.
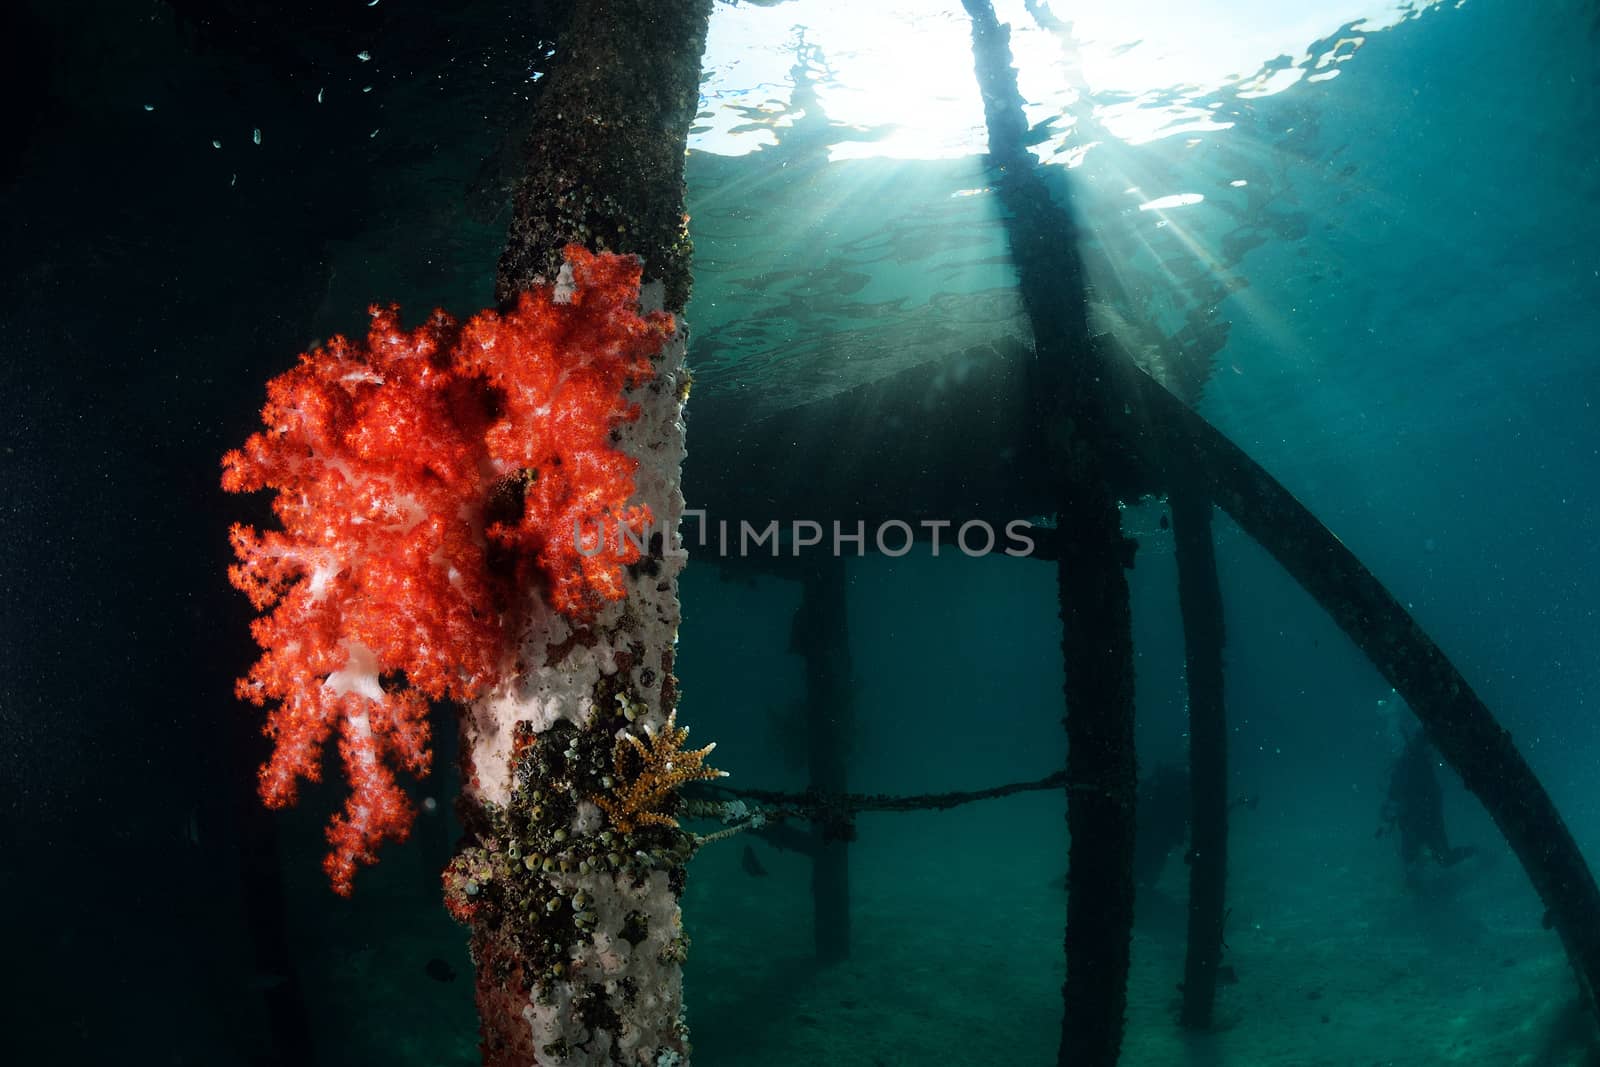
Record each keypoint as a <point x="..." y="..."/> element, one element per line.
<point x="1179" y="445"/>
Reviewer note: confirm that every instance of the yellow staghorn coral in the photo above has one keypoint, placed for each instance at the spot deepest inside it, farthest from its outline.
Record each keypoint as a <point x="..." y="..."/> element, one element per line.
<point x="636" y="799"/>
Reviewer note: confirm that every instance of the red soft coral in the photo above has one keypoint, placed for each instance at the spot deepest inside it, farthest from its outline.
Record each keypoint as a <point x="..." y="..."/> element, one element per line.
<point x="560" y="369"/>
<point x="385" y="455"/>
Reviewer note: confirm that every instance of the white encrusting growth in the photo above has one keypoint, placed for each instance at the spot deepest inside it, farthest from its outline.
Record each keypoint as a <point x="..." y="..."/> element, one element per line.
<point x="557" y="669"/>
<point x="544" y="690"/>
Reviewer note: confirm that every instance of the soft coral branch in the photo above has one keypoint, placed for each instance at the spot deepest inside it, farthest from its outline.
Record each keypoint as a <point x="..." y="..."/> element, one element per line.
<point x="385" y="455"/>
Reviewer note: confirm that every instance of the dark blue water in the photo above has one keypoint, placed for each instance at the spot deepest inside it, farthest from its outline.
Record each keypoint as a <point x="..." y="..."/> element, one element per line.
<point x="1411" y="283"/>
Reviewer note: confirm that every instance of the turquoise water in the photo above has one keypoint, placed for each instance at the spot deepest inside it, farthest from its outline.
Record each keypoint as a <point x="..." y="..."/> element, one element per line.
<point x="1410" y="277"/>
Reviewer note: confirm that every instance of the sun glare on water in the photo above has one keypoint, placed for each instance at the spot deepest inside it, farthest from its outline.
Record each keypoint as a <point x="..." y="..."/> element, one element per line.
<point x="895" y="80"/>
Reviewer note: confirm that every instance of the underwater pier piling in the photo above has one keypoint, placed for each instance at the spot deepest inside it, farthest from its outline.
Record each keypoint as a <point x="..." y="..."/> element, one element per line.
<point x="1071" y="423"/>
<point x="602" y="164"/>
<point x="821" y="636"/>
<point x="596" y="176"/>
<point x="1200" y="603"/>
<point x="578" y="950"/>
<point x="1179" y="444"/>
<point x="1108" y="427"/>
<point x="1187" y="363"/>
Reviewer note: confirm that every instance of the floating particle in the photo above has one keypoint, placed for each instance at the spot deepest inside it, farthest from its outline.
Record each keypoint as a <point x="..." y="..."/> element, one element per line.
<point x="363" y="55"/>
<point x="366" y="88"/>
<point x="373" y="134"/>
<point x="149" y="107"/>
<point x="319" y="96"/>
<point x="255" y="135"/>
<point x="372" y="3"/>
<point x="233" y="181"/>
<point x="216" y="144"/>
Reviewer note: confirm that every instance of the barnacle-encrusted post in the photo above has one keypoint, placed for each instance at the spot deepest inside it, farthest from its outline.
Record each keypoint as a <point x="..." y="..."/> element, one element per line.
<point x="572" y="865"/>
<point x="821" y="635"/>
<point x="1076" y="420"/>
